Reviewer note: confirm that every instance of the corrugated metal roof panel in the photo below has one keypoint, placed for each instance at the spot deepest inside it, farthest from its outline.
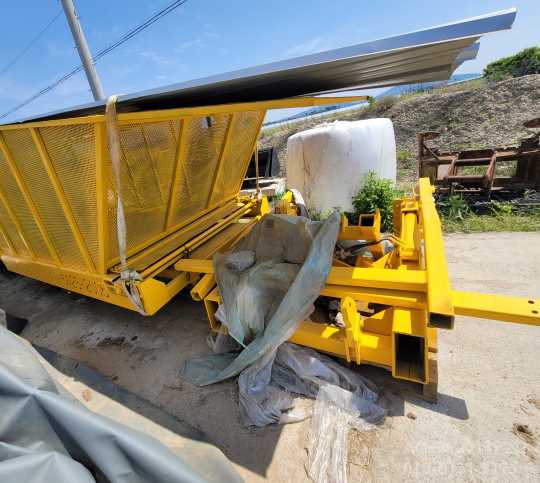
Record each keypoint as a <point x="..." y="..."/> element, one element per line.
<point x="424" y="55"/>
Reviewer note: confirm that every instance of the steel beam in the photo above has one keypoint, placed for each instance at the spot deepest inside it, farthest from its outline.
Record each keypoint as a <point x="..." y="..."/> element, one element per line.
<point x="374" y="348"/>
<point x="179" y="172"/>
<point x="195" y="242"/>
<point x="224" y="150"/>
<point x="253" y="147"/>
<point x="381" y="278"/>
<point x="497" y="307"/>
<point x="393" y="298"/>
<point x="102" y="221"/>
<point x="6" y="238"/>
<point x="17" y="224"/>
<point x="439" y="293"/>
<point x="203" y="287"/>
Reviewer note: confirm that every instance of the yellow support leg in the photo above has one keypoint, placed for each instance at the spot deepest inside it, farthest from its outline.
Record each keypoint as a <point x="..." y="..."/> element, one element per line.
<point x="439" y="293"/>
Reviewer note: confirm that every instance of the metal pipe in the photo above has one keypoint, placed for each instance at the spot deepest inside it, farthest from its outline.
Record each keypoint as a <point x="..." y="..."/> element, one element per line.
<point x="84" y="51"/>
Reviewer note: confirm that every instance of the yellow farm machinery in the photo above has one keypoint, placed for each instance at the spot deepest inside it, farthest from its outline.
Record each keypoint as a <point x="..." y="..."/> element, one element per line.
<point x="130" y="207"/>
<point x="392" y="303"/>
<point x="180" y="178"/>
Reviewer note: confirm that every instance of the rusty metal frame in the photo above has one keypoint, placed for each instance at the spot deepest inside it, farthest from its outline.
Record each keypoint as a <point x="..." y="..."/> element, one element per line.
<point x="526" y="154"/>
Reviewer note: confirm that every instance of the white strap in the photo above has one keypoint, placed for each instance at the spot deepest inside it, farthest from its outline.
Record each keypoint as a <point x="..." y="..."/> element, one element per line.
<point x="127" y="276"/>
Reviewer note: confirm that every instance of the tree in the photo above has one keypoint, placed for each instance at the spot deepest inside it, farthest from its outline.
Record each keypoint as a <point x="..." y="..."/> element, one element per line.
<point x="523" y="63"/>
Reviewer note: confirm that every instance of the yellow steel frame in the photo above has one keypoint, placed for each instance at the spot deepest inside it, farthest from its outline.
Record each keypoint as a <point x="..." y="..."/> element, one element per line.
<point x="154" y="255"/>
<point x="17" y="224"/>
<point x="66" y="208"/>
<point x="178" y="172"/>
<point x="392" y="304"/>
<point x="222" y="156"/>
<point x="101" y="196"/>
<point x="391" y="310"/>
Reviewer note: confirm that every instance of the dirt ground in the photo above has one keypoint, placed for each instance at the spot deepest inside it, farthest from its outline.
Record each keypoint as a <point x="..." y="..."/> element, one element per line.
<point x="485" y="426"/>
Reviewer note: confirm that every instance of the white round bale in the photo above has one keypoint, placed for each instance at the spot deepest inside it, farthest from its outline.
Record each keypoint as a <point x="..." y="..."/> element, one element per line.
<point x="327" y="163"/>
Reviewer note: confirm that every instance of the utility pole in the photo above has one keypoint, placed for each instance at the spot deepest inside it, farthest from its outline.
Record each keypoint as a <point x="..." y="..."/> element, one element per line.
<point x="84" y="51"/>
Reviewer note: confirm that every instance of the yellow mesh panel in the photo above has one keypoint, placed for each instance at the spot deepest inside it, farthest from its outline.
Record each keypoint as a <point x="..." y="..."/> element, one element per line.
<point x="21" y="210"/>
<point x="148" y="156"/>
<point x="73" y="155"/>
<point x="11" y="232"/>
<point x="149" y="152"/>
<point x="204" y="140"/>
<point x="237" y="155"/>
<point x="3" y="244"/>
<point x="34" y="174"/>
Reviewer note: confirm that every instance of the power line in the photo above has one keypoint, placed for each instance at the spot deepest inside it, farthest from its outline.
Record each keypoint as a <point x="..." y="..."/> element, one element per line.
<point x="127" y="36"/>
<point x="30" y="44"/>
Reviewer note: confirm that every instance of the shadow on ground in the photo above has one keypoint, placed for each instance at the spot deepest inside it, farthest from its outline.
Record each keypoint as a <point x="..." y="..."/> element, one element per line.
<point x="395" y="392"/>
<point x="136" y="361"/>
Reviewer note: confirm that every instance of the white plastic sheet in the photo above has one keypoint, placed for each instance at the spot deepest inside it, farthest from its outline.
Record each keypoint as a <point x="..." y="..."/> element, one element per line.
<point x="263" y="304"/>
<point x="336" y="411"/>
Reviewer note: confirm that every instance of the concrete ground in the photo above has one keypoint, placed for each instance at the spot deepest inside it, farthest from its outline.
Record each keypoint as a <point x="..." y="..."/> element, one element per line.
<point x="485" y="426"/>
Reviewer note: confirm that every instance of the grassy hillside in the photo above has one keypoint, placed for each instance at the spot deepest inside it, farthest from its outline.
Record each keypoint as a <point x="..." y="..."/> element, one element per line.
<point x="472" y="114"/>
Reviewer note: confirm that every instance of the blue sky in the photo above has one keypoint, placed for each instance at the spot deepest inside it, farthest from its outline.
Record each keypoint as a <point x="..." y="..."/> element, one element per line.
<point x="206" y="37"/>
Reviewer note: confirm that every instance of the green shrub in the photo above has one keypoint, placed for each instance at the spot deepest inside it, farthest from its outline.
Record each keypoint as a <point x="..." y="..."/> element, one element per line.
<point x="376" y="193"/>
<point x="523" y="63"/>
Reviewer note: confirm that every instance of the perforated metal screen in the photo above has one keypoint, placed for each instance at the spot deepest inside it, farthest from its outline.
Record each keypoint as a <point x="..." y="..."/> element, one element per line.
<point x="173" y="170"/>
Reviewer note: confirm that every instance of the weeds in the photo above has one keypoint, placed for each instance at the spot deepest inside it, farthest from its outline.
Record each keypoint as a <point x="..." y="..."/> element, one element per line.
<point x="376" y="193"/>
<point x="403" y="155"/>
<point x="480" y="223"/>
<point x="454" y="208"/>
<point x="456" y="216"/>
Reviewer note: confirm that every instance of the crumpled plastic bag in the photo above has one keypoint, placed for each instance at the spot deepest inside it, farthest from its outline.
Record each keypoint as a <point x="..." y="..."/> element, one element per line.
<point x="265" y="303"/>
<point x="262" y="306"/>
<point x="269" y="390"/>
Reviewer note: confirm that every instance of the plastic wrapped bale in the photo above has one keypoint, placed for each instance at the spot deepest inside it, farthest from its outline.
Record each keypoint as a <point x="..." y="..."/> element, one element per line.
<point x="327" y="163"/>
